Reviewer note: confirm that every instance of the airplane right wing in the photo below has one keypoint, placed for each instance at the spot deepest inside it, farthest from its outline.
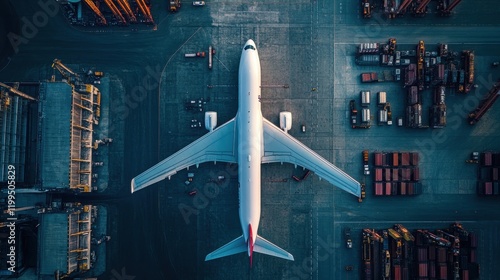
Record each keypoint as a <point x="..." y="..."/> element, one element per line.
<point x="217" y="145"/>
<point x="282" y="147"/>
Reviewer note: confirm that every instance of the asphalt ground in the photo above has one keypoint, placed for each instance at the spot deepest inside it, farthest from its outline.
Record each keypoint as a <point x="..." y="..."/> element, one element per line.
<point x="308" y="46"/>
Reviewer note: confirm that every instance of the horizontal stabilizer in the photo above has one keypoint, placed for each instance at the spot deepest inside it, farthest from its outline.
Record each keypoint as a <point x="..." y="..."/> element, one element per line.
<point x="265" y="247"/>
<point x="236" y="246"/>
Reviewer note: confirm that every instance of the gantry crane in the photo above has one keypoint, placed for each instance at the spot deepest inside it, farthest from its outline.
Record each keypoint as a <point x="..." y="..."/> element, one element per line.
<point x="420" y="10"/>
<point x="16" y="91"/>
<point x="115" y="11"/>
<point x="65" y="71"/>
<point x="403" y="6"/>
<point x="96" y="10"/>
<point x="126" y="7"/>
<point x="145" y="11"/>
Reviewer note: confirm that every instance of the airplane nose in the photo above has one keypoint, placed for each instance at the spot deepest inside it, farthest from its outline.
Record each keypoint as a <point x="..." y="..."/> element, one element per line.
<point x="250" y="44"/>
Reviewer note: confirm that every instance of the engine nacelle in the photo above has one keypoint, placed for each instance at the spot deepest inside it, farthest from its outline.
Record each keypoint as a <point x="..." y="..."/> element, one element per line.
<point x="285" y="121"/>
<point x="210" y="120"/>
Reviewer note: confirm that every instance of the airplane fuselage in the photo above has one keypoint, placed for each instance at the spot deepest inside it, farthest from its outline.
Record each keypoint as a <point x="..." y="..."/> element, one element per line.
<point x="250" y="140"/>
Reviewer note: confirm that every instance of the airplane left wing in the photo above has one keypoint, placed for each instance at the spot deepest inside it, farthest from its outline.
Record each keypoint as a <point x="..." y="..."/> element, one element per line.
<point x="218" y="145"/>
<point x="281" y="147"/>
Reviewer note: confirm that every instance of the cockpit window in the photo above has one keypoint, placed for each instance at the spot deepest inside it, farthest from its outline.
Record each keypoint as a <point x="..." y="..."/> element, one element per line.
<point x="249" y="47"/>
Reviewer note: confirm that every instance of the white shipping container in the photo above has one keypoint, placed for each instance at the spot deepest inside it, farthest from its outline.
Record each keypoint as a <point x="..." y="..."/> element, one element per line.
<point x="365" y="98"/>
<point x="382" y="116"/>
<point x="365" y="115"/>
<point x="382" y="97"/>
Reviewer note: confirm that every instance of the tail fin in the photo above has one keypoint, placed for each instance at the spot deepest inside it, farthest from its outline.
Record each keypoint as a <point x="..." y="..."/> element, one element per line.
<point x="234" y="247"/>
<point x="265" y="247"/>
<point x="239" y="245"/>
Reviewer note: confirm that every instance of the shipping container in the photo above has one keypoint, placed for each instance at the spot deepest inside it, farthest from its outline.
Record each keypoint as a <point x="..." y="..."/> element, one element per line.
<point x="388" y="188"/>
<point x="442" y="272"/>
<point x="387" y="174"/>
<point x="395" y="173"/>
<point x="486" y="159"/>
<point x="472" y="255"/>
<point x="410" y="188"/>
<point x="414" y="158"/>
<point x="465" y="275"/>
<point x="368" y="48"/>
<point x="405" y="159"/>
<point x="377" y="159"/>
<point x="423" y="269"/>
<point x="422" y="254"/>
<point x="378" y="188"/>
<point x="382" y="116"/>
<point x="472" y="240"/>
<point x="441" y="255"/>
<point x="412" y="96"/>
<point x="488" y="188"/>
<point x="405" y="174"/>
<point x="370" y="59"/>
<point x="496" y="159"/>
<point x="394" y="188"/>
<point x="378" y="175"/>
<point x="494" y="174"/>
<point x="432" y="270"/>
<point x="402" y="186"/>
<point x="365" y="98"/>
<point x="382" y="97"/>
<point x="416" y="174"/>
<point x="396" y="272"/>
<point x="432" y="253"/>
<point x="365" y="115"/>
<point x="369" y="77"/>
<point x="395" y="159"/>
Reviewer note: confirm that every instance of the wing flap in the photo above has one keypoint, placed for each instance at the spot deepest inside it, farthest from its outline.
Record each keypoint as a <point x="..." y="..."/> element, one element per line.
<point x="281" y="147"/>
<point x="218" y="145"/>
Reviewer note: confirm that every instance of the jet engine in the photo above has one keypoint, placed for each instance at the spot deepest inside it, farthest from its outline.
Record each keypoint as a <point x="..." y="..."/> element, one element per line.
<point x="210" y="120"/>
<point x="285" y="121"/>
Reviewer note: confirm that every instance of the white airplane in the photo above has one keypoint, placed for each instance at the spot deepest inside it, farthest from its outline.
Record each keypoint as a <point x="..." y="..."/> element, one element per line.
<point x="249" y="140"/>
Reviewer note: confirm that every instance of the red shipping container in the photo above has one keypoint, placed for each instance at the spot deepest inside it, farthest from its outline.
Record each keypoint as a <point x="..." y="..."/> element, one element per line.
<point x="414" y="158"/>
<point x="378" y="174"/>
<point x="416" y="174"/>
<point x="410" y="188"/>
<point x="441" y="255"/>
<point x="494" y="174"/>
<point x="396" y="272"/>
<point x="377" y="159"/>
<point x="378" y="189"/>
<point x="387" y="174"/>
<point x="422" y="270"/>
<point x="422" y="254"/>
<point x="465" y="274"/>
<point x="472" y="256"/>
<point x="388" y="188"/>
<point x="395" y="159"/>
<point x="405" y="159"/>
<point x="402" y="186"/>
<point x="486" y="159"/>
<point x="442" y="272"/>
<point x="405" y="174"/>
<point x="488" y="188"/>
<point x="395" y="173"/>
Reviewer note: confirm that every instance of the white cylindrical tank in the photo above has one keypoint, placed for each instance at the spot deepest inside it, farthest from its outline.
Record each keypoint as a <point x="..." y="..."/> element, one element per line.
<point x="285" y="121"/>
<point x="210" y="120"/>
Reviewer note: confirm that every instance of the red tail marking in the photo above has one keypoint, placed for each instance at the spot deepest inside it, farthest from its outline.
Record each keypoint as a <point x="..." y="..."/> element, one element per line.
<point x="250" y="243"/>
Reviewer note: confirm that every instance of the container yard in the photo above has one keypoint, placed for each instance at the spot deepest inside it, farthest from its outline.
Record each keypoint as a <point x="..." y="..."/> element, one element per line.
<point x="397" y="253"/>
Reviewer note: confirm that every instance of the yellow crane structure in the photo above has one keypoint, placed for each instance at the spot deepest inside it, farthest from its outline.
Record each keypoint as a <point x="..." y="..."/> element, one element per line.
<point x="145" y="10"/>
<point x="65" y="71"/>
<point x="115" y="11"/>
<point x="126" y="7"/>
<point x="17" y="92"/>
<point x="96" y="10"/>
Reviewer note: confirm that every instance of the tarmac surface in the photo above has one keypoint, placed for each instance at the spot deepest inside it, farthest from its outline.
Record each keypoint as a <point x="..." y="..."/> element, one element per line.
<point x="307" y="58"/>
